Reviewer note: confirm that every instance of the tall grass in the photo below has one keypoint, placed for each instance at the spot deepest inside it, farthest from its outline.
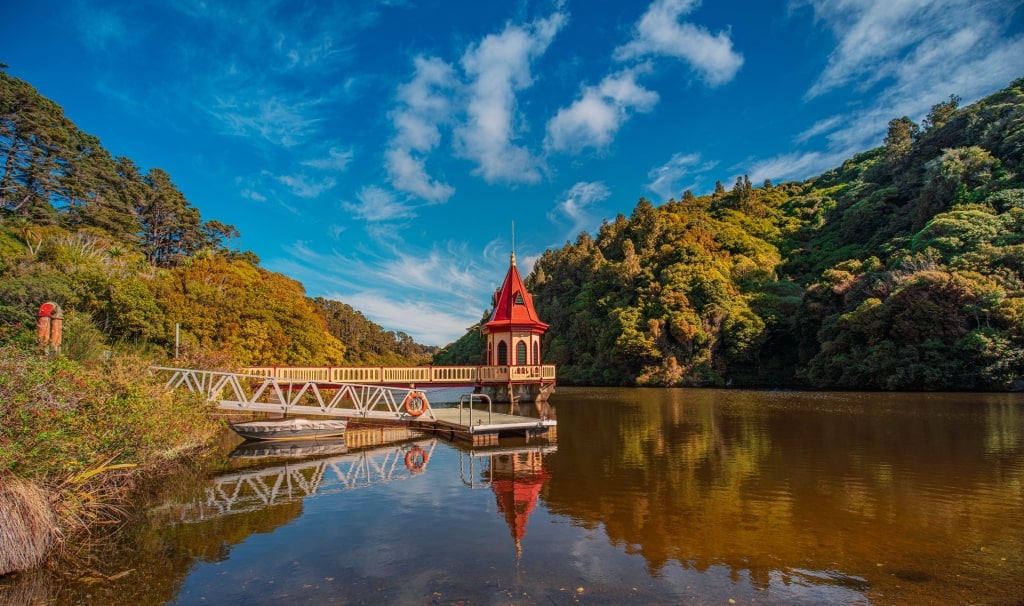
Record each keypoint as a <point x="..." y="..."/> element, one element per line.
<point x="82" y="434"/>
<point x="28" y="526"/>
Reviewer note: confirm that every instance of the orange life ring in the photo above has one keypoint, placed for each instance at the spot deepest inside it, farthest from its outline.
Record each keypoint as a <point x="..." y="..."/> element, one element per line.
<point x="416" y="403"/>
<point x="416" y="459"/>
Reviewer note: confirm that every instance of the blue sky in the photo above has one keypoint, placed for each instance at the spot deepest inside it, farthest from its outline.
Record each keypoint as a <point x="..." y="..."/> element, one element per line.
<point x="380" y="151"/>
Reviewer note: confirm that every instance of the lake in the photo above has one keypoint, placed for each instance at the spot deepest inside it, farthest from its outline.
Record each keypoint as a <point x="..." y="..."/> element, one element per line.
<point x="648" y="496"/>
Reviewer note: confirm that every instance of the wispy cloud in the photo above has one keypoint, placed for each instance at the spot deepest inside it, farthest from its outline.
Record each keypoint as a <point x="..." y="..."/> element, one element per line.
<point x="255" y="196"/>
<point x="432" y="294"/>
<point x="594" y="119"/>
<point x="285" y="120"/>
<point x="376" y="204"/>
<point x="660" y="33"/>
<point x="499" y="67"/>
<point x="103" y="28"/>
<point x="670" y="179"/>
<point x="913" y="54"/>
<point x="424" y="103"/>
<point x="876" y="39"/>
<point x="426" y="323"/>
<point x="575" y="204"/>
<point x="336" y="160"/>
<point x="306" y="187"/>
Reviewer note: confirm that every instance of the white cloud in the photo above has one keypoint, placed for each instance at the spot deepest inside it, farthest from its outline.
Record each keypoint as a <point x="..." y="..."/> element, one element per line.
<point x="255" y="196"/>
<point x="102" y="27"/>
<point x="595" y="118"/>
<point x="433" y="294"/>
<point x="376" y="204"/>
<point x="499" y="67"/>
<point x="576" y="202"/>
<point x="874" y="37"/>
<point x="424" y="104"/>
<point x="660" y="33"/>
<point x="667" y="180"/>
<point x="337" y="160"/>
<point x="303" y="187"/>
<point x="284" y="120"/>
<point x="426" y="323"/>
<point x="914" y="53"/>
<point x="794" y="165"/>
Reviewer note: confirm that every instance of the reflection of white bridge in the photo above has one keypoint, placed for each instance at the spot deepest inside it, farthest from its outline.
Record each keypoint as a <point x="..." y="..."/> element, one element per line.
<point x="255" y="489"/>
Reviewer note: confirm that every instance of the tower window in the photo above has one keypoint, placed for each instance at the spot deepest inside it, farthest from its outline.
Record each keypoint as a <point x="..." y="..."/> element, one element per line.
<point x="502" y="353"/>
<point x="521" y="353"/>
<point x="519" y="299"/>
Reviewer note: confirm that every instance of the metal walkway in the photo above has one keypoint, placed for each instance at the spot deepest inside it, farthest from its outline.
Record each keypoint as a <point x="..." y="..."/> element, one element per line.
<point x="244" y="392"/>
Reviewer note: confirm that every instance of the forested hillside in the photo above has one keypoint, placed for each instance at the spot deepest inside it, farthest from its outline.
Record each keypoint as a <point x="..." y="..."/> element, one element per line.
<point x="901" y="269"/>
<point x="128" y="257"/>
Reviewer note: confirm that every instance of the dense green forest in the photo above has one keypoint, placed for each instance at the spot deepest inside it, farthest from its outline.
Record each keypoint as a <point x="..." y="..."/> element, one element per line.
<point x="902" y="269"/>
<point x="128" y="257"/>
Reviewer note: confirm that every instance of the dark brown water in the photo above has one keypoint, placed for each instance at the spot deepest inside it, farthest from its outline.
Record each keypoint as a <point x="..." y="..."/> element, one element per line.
<point x="648" y="497"/>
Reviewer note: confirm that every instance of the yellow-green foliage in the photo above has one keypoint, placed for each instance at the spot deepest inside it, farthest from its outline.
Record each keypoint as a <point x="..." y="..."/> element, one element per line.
<point x="62" y="417"/>
<point x="258" y="317"/>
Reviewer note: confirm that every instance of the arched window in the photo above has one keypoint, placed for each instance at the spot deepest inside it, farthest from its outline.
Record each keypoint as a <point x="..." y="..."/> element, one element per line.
<point x="521" y="353"/>
<point x="536" y="352"/>
<point x="502" y="353"/>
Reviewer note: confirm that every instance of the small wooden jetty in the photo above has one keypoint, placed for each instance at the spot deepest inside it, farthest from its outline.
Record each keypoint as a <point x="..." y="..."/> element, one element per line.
<point x="469" y="424"/>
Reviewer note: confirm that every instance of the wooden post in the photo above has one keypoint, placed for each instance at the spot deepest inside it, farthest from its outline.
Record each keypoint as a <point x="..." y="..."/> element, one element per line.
<point x="50" y="326"/>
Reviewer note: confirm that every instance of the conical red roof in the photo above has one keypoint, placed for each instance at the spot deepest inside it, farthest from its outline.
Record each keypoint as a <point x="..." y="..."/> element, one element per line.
<point x="513" y="306"/>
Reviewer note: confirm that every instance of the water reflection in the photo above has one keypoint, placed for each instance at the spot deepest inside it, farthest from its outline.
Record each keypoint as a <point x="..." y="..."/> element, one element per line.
<point x="516" y="475"/>
<point x="892" y="494"/>
<point x="314" y="468"/>
<point x="650" y="497"/>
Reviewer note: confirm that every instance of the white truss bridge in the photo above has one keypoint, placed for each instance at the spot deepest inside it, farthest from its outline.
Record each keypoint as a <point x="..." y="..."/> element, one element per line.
<point x="266" y="393"/>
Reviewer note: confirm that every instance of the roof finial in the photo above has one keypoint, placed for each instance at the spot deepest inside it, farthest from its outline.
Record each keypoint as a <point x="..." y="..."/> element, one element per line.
<point x="513" y="242"/>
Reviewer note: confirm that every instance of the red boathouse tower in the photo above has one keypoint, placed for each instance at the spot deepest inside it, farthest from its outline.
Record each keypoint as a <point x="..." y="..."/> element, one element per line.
<point x="513" y="335"/>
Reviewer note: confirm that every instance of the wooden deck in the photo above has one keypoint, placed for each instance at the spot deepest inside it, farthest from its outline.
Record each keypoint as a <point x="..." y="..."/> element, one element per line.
<point x="481" y="428"/>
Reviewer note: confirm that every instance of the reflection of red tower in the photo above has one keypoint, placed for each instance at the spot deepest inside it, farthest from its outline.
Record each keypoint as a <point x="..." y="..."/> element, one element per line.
<point x="517" y="480"/>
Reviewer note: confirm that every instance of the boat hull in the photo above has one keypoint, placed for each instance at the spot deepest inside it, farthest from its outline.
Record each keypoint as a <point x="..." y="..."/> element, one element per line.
<point x="291" y="429"/>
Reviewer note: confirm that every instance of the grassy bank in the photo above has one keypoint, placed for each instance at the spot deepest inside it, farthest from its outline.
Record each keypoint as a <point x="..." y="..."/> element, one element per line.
<point x="75" y="439"/>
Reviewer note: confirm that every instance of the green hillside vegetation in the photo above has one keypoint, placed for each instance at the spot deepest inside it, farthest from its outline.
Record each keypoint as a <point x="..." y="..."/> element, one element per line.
<point x="130" y="258"/>
<point x="903" y="269"/>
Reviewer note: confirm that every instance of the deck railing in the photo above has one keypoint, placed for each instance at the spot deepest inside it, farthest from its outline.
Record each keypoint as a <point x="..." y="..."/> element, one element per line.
<point x="402" y="375"/>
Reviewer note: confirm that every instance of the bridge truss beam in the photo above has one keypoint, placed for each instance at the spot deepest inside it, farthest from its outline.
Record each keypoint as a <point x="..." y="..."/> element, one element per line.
<point x="250" y="392"/>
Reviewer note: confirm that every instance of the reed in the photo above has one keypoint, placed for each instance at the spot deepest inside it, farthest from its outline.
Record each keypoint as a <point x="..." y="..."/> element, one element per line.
<point x="28" y="525"/>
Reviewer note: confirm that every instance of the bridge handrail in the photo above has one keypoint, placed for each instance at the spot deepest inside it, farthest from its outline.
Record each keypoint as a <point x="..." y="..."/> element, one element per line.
<point x="382" y="375"/>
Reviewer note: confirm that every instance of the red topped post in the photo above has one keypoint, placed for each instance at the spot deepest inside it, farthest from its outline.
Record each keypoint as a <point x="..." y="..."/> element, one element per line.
<point x="50" y="326"/>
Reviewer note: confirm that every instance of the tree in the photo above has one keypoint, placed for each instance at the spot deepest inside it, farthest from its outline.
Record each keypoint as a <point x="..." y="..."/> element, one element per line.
<point x="941" y="113"/>
<point x="901" y="136"/>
